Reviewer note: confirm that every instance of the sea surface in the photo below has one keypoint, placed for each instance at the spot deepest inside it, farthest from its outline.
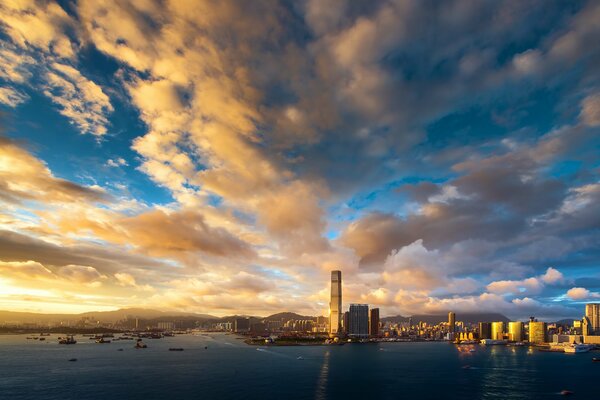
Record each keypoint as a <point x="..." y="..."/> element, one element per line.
<point x="230" y="369"/>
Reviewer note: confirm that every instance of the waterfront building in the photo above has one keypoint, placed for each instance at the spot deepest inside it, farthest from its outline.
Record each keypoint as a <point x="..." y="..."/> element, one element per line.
<point x="485" y="330"/>
<point x="497" y="330"/>
<point x="335" y="304"/>
<point x="358" y="321"/>
<point x="515" y="331"/>
<point x="592" y="313"/>
<point x="537" y="331"/>
<point x="166" y="326"/>
<point x="345" y="322"/>
<point x="374" y="322"/>
<point x="241" y="325"/>
<point x="451" y="322"/>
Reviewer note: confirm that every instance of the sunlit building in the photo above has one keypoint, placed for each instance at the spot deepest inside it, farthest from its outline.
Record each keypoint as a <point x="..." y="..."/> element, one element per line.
<point x="497" y="330"/>
<point x="592" y="313"/>
<point x="537" y="331"/>
<point x="335" y="304"/>
<point x="374" y="322"/>
<point x="515" y="331"/>
<point x="451" y="322"/>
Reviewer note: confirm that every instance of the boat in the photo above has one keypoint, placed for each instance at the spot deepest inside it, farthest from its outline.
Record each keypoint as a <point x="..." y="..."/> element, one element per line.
<point x="140" y="345"/>
<point x="596" y="359"/>
<point x="67" y="340"/>
<point x="175" y="349"/>
<point x="577" y="348"/>
<point x="72" y="359"/>
<point x="300" y="358"/>
<point x="101" y="340"/>
<point x="566" y="392"/>
<point x="42" y="338"/>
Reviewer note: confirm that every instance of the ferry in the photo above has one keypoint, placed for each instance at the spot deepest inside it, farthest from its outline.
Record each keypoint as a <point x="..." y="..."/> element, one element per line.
<point x="577" y="348"/>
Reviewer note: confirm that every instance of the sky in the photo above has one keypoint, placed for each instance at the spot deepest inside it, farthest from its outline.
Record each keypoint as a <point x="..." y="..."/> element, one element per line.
<point x="223" y="157"/>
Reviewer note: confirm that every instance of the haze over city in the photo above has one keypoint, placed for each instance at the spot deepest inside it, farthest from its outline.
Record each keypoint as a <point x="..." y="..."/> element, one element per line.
<point x="224" y="157"/>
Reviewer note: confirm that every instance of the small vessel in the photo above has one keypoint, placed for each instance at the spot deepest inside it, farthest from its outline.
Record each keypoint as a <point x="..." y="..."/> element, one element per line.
<point x="175" y="349"/>
<point x="205" y="347"/>
<point x="300" y="358"/>
<point x="577" y="348"/>
<point x="67" y="340"/>
<point x="596" y="359"/>
<point x="42" y="338"/>
<point x="101" y="340"/>
<point x="72" y="359"/>
<point x="466" y="367"/>
<point x="566" y="392"/>
<point x="140" y="345"/>
<point x="119" y="349"/>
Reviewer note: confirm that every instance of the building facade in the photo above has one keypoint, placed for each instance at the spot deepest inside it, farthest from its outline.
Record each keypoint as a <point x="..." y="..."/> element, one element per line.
<point x="374" y="322"/>
<point x="485" y="330"/>
<point x="451" y="322"/>
<point x="515" y="331"/>
<point x="537" y="331"/>
<point x="592" y="313"/>
<point x="358" y="321"/>
<point x="498" y="330"/>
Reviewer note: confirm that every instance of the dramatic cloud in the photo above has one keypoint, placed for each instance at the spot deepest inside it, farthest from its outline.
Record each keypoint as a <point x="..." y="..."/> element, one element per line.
<point x="442" y="155"/>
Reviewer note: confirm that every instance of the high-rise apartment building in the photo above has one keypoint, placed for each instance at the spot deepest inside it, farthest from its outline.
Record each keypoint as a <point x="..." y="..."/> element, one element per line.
<point x="451" y="322"/>
<point x="358" y="321"/>
<point x="374" y="322"/>
<point x="515" y="331"/>
<point x="498" y="330"/>
<point x="485" y="330"/>
<point x="537" y="331"/>
<point x="335" y="304"/>
<point x="592" y="312"/>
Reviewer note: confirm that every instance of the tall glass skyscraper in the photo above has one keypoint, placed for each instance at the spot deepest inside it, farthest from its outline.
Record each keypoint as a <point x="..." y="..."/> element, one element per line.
<point x="359" y="321"/>
<point x="335" y="304"/>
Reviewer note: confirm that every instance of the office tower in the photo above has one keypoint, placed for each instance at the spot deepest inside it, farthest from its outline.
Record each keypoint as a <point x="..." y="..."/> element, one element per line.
<point x="335" y="304"/>
<point x="374" y="322"/>
<point x="592" y="312"/>
<point x="515" y="331"/>
<point x="358" y="321"/>
<point x="537" y="331"/>
<point x="497" y="330"/>
<point x="485" y="330"/>
<point x="451" y="322"/>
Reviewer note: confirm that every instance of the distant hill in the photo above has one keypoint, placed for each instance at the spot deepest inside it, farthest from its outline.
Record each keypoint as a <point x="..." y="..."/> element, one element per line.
<point x="286" y="316"/>
<point x="568" y="321"/>
<point x="104" y="316"/>
<point x="471" y="318"/>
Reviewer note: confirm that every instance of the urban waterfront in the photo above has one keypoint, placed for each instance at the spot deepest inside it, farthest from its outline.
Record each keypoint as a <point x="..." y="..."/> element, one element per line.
<point x="218" y="365"/>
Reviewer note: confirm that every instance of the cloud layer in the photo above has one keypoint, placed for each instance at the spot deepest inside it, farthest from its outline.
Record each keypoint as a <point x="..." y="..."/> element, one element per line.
<point x="227" y="156"/>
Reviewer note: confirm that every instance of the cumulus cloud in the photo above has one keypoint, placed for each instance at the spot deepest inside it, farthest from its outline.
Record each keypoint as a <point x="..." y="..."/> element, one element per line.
<point x="579" y="293"/>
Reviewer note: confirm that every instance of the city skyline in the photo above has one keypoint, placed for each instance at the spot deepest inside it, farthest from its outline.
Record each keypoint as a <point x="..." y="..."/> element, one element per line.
<point x="223" y="158"/>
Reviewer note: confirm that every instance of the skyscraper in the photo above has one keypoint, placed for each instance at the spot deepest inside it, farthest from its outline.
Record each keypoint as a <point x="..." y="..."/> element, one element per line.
<point x="358" y="321"/>
<point x="515" y="331"/>
<point x="335" y="304"/>
<point x="374" y="322"/>
<point x="451" y="322"/>
<point x="592" y="312"/>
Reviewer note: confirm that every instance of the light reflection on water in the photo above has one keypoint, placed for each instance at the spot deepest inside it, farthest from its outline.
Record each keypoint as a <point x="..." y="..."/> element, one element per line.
<point x="322" y="383"/>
